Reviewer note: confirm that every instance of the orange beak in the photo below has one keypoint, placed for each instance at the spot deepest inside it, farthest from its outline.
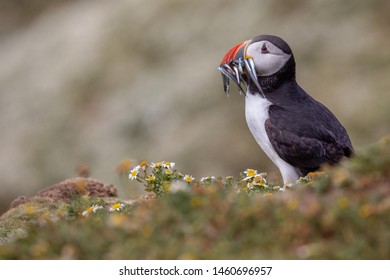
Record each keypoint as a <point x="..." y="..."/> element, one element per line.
<point x="235" y="53"/>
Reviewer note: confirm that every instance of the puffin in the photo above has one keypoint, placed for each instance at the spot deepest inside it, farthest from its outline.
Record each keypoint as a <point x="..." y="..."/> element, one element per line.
<point x="298" y="133"/>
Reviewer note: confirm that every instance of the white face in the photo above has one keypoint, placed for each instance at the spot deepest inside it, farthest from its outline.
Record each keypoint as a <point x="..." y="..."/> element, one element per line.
<point x="267" y="57"/>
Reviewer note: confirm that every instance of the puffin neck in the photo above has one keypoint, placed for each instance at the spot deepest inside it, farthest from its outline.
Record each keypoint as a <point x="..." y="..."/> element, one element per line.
<point x="272" y="82"/>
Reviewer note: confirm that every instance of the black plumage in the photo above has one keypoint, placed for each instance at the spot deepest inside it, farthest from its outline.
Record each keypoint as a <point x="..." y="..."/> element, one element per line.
<point x="302" y="131"/>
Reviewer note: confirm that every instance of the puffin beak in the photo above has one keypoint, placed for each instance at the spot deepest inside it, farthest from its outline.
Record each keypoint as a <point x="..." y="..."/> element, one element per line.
<point x="236" y="65"/>
<point x="235" y="53"/>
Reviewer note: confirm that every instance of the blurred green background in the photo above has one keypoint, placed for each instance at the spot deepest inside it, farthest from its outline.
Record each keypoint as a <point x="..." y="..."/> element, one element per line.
<point x="94" y="82"/>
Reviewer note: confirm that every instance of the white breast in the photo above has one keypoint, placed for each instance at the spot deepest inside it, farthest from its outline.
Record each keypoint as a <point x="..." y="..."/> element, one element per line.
<point x="256" y="113"/>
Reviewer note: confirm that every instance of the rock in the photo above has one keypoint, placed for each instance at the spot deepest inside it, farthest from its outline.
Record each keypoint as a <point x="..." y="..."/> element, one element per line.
<point x="63" y="191"/>
<point x="18" y="201"/>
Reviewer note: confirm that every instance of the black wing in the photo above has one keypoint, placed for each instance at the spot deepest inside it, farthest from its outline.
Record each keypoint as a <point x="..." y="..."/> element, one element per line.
<point x="306" y="134"/>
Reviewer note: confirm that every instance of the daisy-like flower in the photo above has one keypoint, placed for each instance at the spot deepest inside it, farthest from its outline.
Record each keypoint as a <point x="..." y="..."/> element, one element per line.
<point x="249" y="185"/>
<point x="208" y="179"/>
<point x="91" y="210"/>
<point x="134" y="173"/>
<point x="188" y="178"/>
<point x="116" y="207"/>
<point x="151" y="178"/>
<point x="143" y="165"/>
<point x="168" y="164"/>
<point x="205" y="179"/>
<point x="97" y="207"/>
<point x="259" y="180"/>
<point x="168" y="171"/>
<point x="156" y="164"/>
<point x="250" y="173"/>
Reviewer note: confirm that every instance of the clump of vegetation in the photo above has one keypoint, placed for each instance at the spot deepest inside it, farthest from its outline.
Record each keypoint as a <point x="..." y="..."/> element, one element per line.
<point x="161" y="178"/>
<point x="339" y="213"/>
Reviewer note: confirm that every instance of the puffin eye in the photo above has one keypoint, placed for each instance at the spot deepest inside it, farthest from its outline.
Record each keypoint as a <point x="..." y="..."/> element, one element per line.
<point x="264" y="49"/>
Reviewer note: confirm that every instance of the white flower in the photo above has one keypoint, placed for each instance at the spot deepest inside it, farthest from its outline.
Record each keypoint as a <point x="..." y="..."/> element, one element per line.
<point x="143" y="165"/>
<point x="134" y="173"/>
<point x="156" y="164"/>
<point x="249" y="185"/>
<point x="87" y="212"/>
<point x="91" y="209"/>
<point x="259" y="180"/>
<point x="96" y="207"/>
<point x="250" y="173"/>
<point x="168" y="164"/>
<point x="205" y="179"/>
<point x="116" y="207"/>
<point x="208" y="179"/>
<point x="188" y="178"/>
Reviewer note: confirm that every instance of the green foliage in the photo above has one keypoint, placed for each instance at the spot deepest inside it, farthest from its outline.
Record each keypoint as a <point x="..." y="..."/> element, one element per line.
<point x="375" y="160"/>
<point x="160" y="178"/>
<point x="339" y="213"/>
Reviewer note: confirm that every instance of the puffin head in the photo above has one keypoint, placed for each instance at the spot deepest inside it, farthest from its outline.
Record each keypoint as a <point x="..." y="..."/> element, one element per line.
<point x="263" y="62"/>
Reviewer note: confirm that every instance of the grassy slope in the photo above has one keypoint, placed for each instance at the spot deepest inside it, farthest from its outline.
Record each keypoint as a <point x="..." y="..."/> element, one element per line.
<point x="343" y="213"/>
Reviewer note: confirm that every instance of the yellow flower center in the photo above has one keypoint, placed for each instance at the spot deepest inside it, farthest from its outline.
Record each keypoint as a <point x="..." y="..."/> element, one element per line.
<point x="259" y="180"/>
<point x="188" y="179"/>
<point x="151" y="178"/>
<point x="250" y="172"/>
<point x="116" y="206"/>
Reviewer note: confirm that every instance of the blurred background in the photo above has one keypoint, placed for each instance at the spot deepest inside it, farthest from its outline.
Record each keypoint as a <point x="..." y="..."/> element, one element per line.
<point x="95" y="82"/>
